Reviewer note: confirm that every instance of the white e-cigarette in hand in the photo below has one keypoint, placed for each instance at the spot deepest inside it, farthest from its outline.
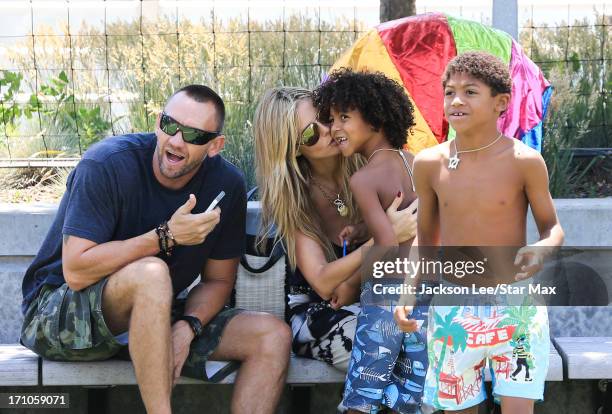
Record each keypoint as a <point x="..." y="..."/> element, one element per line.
<point x="214" y="203"/>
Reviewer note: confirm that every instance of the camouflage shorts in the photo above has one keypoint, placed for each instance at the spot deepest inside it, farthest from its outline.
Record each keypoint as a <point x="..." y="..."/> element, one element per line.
<point x="64" y="325"/>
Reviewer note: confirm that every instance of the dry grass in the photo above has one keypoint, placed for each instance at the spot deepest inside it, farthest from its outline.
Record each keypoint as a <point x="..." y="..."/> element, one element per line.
<point x="29" y="185"/>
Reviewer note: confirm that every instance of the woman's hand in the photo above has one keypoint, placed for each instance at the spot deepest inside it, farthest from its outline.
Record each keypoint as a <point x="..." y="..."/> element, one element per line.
<point x="404" y="221"/>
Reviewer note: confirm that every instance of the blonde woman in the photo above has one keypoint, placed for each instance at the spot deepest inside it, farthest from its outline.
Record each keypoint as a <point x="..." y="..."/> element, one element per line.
<point x="303" y="188"/>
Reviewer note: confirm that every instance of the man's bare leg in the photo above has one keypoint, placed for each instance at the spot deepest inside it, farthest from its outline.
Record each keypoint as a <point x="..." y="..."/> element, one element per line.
<point x="262" y="343"/>
<point x="139" y="297"/>
<point x="516" y="405"/>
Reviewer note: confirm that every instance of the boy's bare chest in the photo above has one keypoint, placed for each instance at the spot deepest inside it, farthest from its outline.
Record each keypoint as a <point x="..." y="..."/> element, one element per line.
<point x="494" y="187"/>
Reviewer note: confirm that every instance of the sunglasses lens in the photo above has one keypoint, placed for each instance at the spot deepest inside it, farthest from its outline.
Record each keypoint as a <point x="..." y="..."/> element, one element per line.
<point x="189" y="135"/>
<point x="310" y="136"/>
<point x="197" y="137"/>
<point x="168" y="125"/>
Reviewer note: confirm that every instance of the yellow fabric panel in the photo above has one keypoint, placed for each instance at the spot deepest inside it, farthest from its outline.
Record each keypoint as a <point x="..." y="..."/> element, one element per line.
<point x="370" y="54"/>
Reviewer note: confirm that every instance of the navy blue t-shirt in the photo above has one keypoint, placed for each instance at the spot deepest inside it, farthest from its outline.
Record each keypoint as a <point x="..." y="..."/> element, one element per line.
<point x="113" y="194"/>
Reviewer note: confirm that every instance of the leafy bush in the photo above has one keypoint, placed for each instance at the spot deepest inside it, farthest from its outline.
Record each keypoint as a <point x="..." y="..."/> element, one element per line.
<point x="573" y="59"/>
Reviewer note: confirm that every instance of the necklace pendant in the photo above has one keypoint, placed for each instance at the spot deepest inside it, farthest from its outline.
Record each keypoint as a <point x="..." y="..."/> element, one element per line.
<point x="453" y="162"/>
<point x="340" y="206"/>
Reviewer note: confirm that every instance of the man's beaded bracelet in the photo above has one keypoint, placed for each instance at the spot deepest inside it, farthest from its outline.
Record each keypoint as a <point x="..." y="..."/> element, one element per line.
<point x="164" y="237"/>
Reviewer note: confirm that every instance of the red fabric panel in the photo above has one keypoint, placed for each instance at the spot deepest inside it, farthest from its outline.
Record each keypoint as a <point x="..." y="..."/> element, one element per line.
<point x="421" y="47"/>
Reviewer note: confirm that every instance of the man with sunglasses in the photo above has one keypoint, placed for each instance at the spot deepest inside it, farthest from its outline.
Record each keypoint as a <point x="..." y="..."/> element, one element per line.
<point x="132" y="232"/>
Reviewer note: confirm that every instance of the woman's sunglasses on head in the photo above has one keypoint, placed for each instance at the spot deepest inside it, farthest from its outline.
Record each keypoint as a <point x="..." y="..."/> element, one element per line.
<point x="190" y="135"/>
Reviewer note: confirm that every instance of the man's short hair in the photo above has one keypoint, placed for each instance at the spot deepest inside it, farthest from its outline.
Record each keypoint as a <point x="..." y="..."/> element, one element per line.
<point x="483" y="66"/>
<point x="202" y="94"/>
<point x="382" y="102"/>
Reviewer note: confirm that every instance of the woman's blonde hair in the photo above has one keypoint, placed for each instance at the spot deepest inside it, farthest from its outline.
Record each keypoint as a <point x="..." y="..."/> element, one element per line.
<point x="282" y="175"/>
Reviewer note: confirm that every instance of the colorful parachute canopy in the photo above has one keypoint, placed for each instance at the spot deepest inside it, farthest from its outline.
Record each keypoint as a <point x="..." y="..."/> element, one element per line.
<point x="415" y="50"/>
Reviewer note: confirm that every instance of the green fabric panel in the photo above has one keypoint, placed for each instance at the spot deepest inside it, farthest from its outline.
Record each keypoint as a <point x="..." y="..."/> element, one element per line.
<point x="470" y="35"/>
<point x="451" y="133"/>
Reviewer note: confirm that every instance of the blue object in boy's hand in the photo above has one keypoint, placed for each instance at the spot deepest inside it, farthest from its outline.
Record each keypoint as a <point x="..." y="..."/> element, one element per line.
<point x="343" y="247"/>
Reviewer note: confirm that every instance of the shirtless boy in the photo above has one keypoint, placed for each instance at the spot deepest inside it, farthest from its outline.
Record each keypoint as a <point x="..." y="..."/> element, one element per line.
<point x="475" y="191"/>
<point x="370" y="114"/>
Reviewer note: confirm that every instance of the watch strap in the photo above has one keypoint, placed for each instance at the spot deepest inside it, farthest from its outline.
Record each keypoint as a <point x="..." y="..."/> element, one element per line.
<point x="194" y="323"/>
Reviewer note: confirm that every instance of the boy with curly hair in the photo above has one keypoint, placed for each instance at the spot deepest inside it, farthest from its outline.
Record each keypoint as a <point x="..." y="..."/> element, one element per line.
<point x="371" y="115"/>
<point x="475" y="191"/>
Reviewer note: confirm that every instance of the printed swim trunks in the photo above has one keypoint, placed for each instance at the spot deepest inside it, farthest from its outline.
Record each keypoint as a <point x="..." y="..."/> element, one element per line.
<point x="514" y="340"/>
<point x="387" y="366"/>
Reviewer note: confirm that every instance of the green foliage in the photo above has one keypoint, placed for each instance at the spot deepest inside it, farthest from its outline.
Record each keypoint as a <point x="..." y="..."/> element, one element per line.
<point x="567" y="127"/>
<point x="93" y="125"/>
<point x="138" y="67"/>
<point x="122" y="74"/>
<point x="10" y="84"/>
<point x="89" y="124"/>
<point x="575" y="60"/>
<point x="57" y="111"/>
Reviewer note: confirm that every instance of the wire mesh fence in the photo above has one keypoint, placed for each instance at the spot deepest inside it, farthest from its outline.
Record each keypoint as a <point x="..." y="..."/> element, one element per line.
<point x="81" y="71"/>
<point x="575" y="53"/>
<point x="72" y="72"/>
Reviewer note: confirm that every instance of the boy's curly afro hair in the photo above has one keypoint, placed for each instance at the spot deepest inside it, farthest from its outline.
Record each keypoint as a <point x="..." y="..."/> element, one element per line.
<point x="483" y="66"/>
<point x="381" y="101"/>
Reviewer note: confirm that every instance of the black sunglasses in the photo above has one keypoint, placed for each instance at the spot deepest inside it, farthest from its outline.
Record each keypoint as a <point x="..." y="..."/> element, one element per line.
<point x="310" y="134"/>
<point x="190" y="135"/>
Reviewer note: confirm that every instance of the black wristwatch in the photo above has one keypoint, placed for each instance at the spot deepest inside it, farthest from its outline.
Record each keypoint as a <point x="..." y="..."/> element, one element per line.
<point x="194" y="323"/>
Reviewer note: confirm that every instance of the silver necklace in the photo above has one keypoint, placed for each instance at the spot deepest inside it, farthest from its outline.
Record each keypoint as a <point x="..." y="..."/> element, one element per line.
<point x="381" y="149"/>
<point x="453" y="162"/>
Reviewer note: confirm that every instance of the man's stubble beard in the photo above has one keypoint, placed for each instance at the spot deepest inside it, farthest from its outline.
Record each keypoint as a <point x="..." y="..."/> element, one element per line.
<point x="187" y="168"/>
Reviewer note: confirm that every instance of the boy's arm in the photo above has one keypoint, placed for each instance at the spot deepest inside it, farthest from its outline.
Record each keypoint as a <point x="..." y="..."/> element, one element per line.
<point x="428" y="217"/>
<point x="428" y="231"/>
<point x="540" y="200"/>
<point x="347" y="292"/>
<point x="544" y="214"/>
<point x="373" y="213"/>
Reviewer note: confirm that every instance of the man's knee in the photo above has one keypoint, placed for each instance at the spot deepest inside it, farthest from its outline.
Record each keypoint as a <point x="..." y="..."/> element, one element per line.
<point x="275" y="335"/>
<point x="149" y="276"/>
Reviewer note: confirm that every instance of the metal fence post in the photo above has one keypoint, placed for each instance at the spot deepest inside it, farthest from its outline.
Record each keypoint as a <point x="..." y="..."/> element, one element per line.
<point x="505" y="16"/>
